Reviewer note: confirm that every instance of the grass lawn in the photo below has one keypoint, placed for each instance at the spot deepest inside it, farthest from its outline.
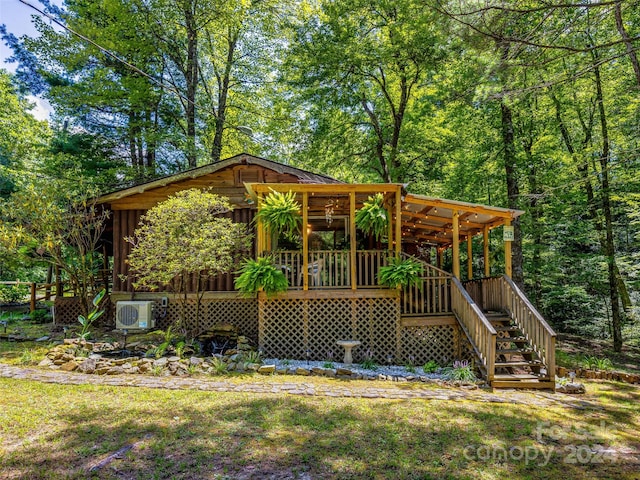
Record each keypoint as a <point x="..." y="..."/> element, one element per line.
<point x="57" y="431"/>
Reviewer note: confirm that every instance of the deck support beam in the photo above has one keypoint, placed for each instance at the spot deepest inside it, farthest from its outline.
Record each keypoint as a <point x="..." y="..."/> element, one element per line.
<point x="485" y="248"/>
<point x="260" y="231"/>
<point x="455" y="243"/>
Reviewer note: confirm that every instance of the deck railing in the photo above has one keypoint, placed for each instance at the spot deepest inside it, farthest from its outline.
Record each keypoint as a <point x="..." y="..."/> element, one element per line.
<point x="476" y="326"/>
<point x="331" y="268"/>
<point x="431" y="295"/>
<point x="501" y="294"/>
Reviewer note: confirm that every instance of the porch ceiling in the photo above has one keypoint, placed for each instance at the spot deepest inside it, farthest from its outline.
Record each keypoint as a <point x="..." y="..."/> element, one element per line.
<point x="424" y="220"/>
<point x="430" y="220"/>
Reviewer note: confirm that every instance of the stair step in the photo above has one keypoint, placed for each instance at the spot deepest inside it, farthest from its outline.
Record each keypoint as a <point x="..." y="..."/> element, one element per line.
<point x="512" y="340"/>
<point x="524" y="384"/>
<point x="506" y="328"/>
<point x="519" y="363"/>
<point x="514" y="376"/>
<point x="514" y="350"/>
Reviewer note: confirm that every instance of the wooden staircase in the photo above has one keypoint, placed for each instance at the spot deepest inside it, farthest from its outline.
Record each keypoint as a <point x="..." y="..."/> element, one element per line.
<point x="515" y="345"/>
<point x="517" y="364"/>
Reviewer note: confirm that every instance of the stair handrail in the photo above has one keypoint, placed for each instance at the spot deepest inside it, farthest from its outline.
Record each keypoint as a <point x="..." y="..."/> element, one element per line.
<point x="539" y="333"/>
<point x="476" y="326"/>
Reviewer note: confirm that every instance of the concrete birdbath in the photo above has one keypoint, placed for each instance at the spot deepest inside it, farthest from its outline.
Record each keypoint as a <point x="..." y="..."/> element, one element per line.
<point x="348" y="345"/>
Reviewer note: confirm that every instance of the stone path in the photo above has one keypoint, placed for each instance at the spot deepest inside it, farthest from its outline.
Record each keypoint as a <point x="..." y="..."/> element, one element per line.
<point x="308" y="388"/>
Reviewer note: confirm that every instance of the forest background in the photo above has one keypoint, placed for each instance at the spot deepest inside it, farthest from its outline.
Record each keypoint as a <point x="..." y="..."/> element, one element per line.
<point x="532" y="105"/>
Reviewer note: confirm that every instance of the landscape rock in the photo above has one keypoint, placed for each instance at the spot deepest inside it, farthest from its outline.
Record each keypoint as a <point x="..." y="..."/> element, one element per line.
<point x="302" y="371"/>
<point x="571" y="388"/>
<point x="43" y="339"/>
<point x="195" y="361"/>
<point x="267" y="369"/>
<point x="69" y="366"/>
<point x="161" y="362"/>
<point x="88" y="365"/>
<point x="46" y="362"/>
<point x="343" y="372"/>
<point x="115" y="370"/>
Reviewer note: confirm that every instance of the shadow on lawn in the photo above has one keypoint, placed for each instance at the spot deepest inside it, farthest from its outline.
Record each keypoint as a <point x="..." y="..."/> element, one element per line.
<point x="196" y="435"/>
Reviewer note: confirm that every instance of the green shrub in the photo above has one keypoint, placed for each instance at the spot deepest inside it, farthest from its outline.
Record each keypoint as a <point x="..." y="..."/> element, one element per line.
<point x="461" y="371"/>
<point x="430" y="367"/>
<point x="597" y="363"/>
<point x="13" y="293"/>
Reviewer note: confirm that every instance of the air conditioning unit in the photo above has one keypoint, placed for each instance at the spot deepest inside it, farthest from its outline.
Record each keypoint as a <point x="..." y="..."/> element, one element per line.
<point x="134" y="315"/>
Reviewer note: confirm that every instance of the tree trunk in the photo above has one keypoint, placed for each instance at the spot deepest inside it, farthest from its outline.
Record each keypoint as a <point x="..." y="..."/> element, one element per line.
<point x="606" y="209"/>
<point x="627" y="40"/>
<point x="513" y="190"/>
<point x="191" y="77"/>
<point x="223" y="94"/>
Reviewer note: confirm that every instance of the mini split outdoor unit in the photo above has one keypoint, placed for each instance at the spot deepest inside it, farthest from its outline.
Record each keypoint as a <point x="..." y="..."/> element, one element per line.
<point x="134" y="315"/>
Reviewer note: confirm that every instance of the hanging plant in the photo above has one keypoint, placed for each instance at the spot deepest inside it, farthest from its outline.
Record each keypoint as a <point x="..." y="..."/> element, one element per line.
<point x="373" y="218"/>
<point x="261" y="274"/>
<point x="280" y="213"/>
<point x="400" y="273"/>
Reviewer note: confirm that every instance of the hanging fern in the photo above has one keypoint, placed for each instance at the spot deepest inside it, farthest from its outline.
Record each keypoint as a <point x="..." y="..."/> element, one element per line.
<point x="280" y="213"/>
<point x="261" y="274"/>
<point x="373" y="218"/>
<point x="400" y="273"/>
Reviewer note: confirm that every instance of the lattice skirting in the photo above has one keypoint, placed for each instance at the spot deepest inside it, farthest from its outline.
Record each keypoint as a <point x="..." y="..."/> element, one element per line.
<point x="300" y="328"/>
<point x="238" y="311"/>
<point x="441" y="343"/>
<point x="295" y="327"/>
<point x="67" y="310"/>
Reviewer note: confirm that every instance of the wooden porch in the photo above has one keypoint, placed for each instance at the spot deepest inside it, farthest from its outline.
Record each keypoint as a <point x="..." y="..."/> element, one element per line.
<point x="513" y="345"/>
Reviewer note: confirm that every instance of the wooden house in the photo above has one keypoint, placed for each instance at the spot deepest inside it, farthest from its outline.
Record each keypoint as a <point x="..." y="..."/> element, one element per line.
<point x="332" y="272"/>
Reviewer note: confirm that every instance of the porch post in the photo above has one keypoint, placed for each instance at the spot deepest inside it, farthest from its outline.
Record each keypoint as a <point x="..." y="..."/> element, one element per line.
<point x="485" y="247"/>
<point x="398" y="221"/>
<point x="352" y="239"/>
<point x="390" y="233"/>
<point x="439" y="257"/>
<point x="259" y="231"/>
<point x="507" y="251"/>
<point x="469" y="257"/>
<point x="455" y="243"/>
<point x="305" y="241"/>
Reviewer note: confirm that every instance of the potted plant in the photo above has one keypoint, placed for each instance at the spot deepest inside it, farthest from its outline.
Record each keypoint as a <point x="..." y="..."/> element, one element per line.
<point x="400" y="273"/>
<point x="261" y="274"/>
<point x="373" y="218"/>
<point x="280" y="213"/>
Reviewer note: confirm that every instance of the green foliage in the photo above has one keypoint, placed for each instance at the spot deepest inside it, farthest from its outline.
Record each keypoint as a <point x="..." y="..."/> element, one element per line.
<point x="328" y="365"/>
<point x="40" y="316"/>
<point x="169" y="338"/>
<point x="218" y="366"/>
<point x="26" y="358"/>
<point x="13" y="293"/>
<point x="253" y="356"/>
<point x="400" y="273"/>
<point x="261" y="274"/>
<point x="280" y="214"/>
<point x="430" y="367"/>
<point x="373" y="218"/>
<point x="461" y="371"/>
<point x="93" y="315"/>
<point x="185" y="236"/>
<point x="597" y="363"/>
